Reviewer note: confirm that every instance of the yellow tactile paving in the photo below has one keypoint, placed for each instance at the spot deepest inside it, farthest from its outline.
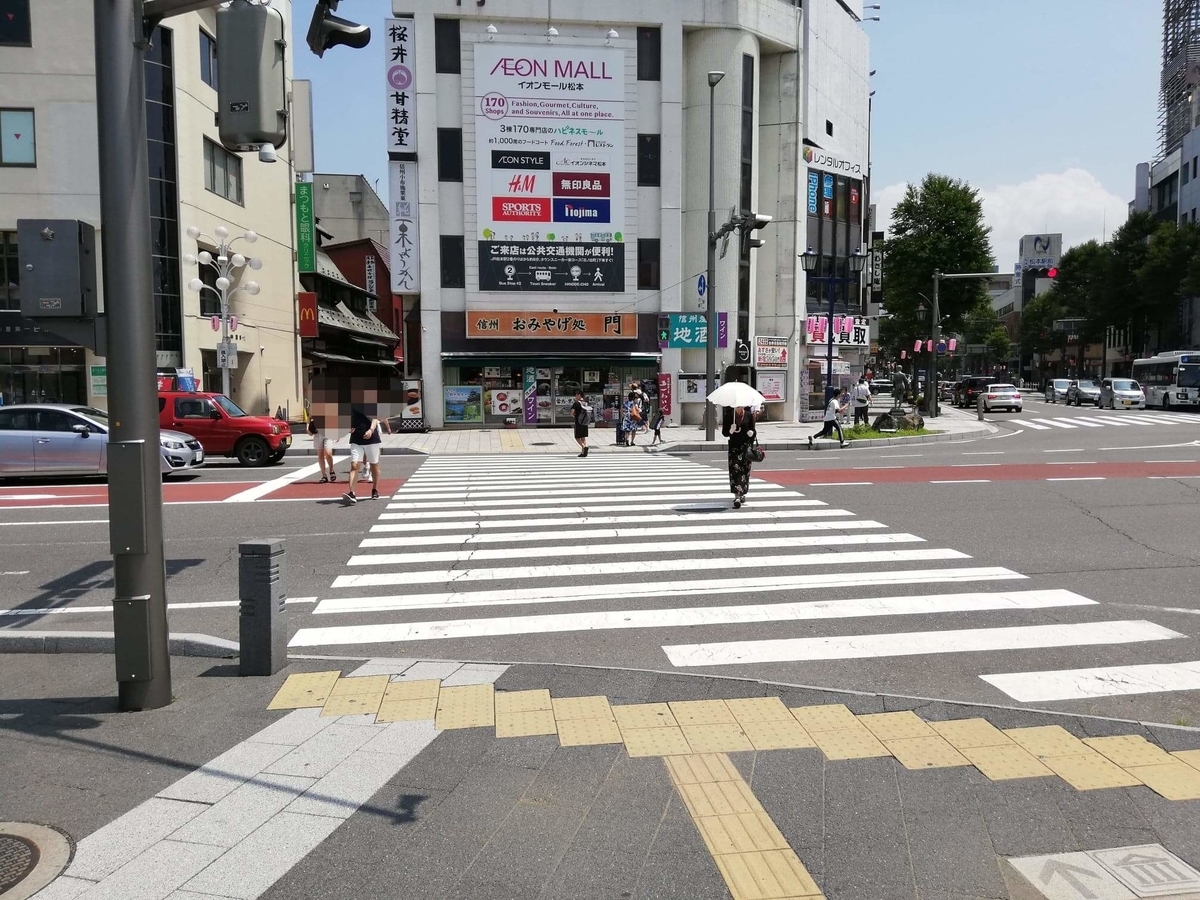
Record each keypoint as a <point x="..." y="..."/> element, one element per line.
<point x="778" y="735"/>
<point x="425" y="689"/>
<point x="719" y="798"/>
<point x="356" y="696"/>
<point x="896" y="726"/>
<point x="1045" y="741"/>
<point x="722" y="737"/>
<point x="1191" y="757"/>
<point x="644" y="715"/>
<point x="1174" y="780"/>
<point x="702" y="768"/>
<point x="759" y="709"/>
<point x="587" y="732"/>
<point x="1129" y="750"/>
<point x="767" y="875"/>
<point x="740" y="833"/>
<point x="581" y="708"/>
<point x="466" y="706"/>
<point x="522" y="701"/>
<point x="525" y="723"/>
<point x="406" y="710"/>
<point x="1006" y="762"/>
<point x="702" y="712"/>
<point x="304" y="690"/>
<point x="925" y="753"/>
<point x="831" y="717"/>
<point x="1089" y="771"/>
<point x="667" y="741"/>
<point x="963" y="734"/>
<point x="849" y="743"/>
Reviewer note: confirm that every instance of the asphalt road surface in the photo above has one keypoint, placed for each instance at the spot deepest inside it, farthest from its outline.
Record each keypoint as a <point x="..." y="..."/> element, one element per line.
<point x="1053" y="564"/>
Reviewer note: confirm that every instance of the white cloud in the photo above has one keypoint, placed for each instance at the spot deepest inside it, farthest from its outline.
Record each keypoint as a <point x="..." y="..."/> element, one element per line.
<point x="1072" y="202"/>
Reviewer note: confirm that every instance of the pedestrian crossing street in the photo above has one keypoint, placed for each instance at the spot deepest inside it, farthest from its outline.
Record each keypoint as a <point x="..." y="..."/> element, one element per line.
<point x="1036" y="420"/>
<point x="616" y="544"/>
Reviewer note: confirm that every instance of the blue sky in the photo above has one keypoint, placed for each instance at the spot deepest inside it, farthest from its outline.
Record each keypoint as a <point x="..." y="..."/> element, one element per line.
<point x="1046" y="107"/>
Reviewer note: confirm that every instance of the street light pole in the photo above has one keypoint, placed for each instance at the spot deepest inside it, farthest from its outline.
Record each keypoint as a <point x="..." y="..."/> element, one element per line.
<point x="808" y="262"/>
<point x="710" y="411"/>
<point x="227" y="264"/>
<point x="931" y="388"/>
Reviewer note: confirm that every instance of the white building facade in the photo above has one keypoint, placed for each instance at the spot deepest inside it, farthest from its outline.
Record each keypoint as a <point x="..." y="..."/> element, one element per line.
<point x="47" y="87"/>
<point x="550" y="198"/>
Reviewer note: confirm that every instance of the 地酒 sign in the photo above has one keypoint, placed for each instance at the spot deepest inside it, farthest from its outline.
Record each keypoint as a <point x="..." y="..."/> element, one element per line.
<point x="770" y="352"/>
<point x="550" y="167"/>
<point x="306" y="228"/>
<point x="399" y="55"/>
<point x="685" y="330"/>
<point x="508" y="324"/>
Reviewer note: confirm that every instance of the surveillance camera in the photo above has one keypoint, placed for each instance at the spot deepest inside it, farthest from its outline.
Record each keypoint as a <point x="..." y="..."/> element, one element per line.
<point x="266" y="154"/>
<point x="555" y="311"/>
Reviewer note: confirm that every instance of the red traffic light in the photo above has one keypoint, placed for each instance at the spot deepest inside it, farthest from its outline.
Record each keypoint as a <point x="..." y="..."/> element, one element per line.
<point x="1052" y="272"/>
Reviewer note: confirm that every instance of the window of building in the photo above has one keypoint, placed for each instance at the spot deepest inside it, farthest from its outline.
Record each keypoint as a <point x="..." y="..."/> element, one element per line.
<point x="1193" y="167"/>
<point x="17" y="144"/>
<point x="210" y="297"/>
<point x="15" y="27"/>
<point x="1185" y="172"/>
<point x="649" y="54"/>
<point x="454" y="261"/>
<point x="159" y="70"/>
<point x="446" y="58"/>
<point x="649" y="172"/>
<point x="648" y="263"/>
<point x="10" y="272"/>
<point x="208" y="59"/>
<point x="829" y="128"/>
<point x="222" y="172"/>
<point x="747" y="157"/>
<point x="450" y="164"/>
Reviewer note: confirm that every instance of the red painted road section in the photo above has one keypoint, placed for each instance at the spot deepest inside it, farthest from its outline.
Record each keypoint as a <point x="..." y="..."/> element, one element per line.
<point x="34" y="496"/>
<point x="1017" y="472"/>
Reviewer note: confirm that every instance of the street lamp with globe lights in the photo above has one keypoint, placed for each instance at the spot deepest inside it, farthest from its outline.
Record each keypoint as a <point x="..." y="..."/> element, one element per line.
<point x="855" y="263"/>
<point x="229" y="265"/>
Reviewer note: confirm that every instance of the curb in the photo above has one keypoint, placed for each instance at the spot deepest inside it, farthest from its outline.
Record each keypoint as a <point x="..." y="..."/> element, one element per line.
<point x="201" y="645"/>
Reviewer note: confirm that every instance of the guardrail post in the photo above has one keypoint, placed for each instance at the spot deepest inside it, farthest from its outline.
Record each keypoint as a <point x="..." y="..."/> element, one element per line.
<point x="262" y="622"/>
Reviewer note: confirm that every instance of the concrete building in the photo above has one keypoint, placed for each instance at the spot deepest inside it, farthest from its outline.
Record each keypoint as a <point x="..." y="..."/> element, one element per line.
<point x="349" y="208"/>
<point x="48" y="96"/>
<point x="549" y="189"/>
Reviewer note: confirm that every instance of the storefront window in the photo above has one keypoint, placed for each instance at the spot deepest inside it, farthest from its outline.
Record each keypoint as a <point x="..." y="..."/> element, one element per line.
<point x="42" y="375"/>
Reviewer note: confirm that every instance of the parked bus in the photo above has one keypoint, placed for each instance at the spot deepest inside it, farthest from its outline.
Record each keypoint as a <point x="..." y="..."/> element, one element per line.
<point x="1170" y="379"/>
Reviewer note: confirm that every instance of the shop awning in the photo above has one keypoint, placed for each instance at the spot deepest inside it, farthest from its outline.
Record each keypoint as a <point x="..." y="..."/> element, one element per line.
<point x="338" y="358"/>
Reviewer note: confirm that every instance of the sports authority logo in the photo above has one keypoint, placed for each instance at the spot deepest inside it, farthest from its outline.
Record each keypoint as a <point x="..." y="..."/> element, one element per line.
<point x="523" y="209"/>
<point x="400" y="77"/>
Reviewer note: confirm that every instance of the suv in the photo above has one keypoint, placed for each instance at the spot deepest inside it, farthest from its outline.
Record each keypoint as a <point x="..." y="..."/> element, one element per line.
<point x="223" y="428"/>
<point x="967" y="391"/>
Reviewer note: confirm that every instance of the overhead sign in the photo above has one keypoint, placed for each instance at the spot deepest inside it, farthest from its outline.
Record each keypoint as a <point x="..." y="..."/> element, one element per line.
<point x="399" y="54"/>
<point x="831" y="162"/>
<point x="306" y="228"/>
<point x="550" y="167"/>
<point x="405" y="237"/>
<point x="306" y="301"/>
<point x="848" y="331"/>
<point x="770" y="352"/>
<point x="508" y="324"/>
<point x="688" y="330"/>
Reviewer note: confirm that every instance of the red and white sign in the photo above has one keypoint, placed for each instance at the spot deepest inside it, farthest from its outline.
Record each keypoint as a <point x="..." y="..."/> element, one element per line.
<point x="773" y="386"/>
<point x="581" y="184"/>
<point x="664" y="393"/>
<point x="770" y="352"/>
<point x="307" y="303"/>
<point x="521" y="209"/>
<point x="520" y="184"/>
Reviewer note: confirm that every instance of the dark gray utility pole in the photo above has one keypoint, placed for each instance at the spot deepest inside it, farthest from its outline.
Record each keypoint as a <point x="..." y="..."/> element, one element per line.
<point x="134" y="479"/>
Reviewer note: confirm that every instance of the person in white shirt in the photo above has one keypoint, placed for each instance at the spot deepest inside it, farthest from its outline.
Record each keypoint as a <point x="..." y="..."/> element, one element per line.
<point x="837" y="406"/>
<point x="862" y="401"/>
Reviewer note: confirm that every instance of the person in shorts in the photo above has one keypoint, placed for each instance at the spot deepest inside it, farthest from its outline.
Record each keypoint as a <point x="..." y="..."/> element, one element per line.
<point x="581" y="411"/>
<point x="365" y="446"/>
<point x="323" y="445"/>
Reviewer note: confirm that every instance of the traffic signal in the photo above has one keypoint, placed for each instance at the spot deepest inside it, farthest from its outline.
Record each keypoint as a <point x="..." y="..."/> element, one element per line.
<point x="753" y="222"/>
<point x="327" y="30"/>
<point x="252" y="89"/>
<point x="664" y="330"/>
<point x="1030" y="278"/>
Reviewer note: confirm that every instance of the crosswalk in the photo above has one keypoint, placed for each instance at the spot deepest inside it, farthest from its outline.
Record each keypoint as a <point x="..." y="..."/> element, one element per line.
<point x="1101" y="419"/>
<point x="652" y="545"/>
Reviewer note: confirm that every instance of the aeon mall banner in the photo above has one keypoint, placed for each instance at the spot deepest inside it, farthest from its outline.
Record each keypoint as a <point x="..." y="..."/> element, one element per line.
<point x="550" y="163"/>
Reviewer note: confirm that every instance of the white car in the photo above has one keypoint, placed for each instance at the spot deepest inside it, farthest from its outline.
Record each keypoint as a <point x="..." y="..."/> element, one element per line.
<point x="1001" y="396"/>
<point x="1121" y="393"/>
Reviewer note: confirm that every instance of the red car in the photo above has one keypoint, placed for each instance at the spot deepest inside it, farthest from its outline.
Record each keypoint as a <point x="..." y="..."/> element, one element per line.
<point x="222" y="428"/>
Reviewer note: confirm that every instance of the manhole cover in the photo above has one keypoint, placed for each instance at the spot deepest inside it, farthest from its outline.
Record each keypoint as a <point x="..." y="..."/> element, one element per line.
<point x="18" y="857"/>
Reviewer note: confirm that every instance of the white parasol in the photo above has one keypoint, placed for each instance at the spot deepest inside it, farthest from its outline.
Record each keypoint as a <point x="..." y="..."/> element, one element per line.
<point x="736" y="393"/>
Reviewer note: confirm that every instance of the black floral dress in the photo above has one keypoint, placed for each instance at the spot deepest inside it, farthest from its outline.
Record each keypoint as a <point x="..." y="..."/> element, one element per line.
<point x="741" y="436"/>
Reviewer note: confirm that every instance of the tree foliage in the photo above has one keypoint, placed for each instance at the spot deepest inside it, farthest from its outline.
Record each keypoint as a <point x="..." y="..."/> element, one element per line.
<point x="938" y="225"/>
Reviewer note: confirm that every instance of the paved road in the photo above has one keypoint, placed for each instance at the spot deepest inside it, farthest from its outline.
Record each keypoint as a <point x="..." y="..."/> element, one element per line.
<point x="1038" y="566"/>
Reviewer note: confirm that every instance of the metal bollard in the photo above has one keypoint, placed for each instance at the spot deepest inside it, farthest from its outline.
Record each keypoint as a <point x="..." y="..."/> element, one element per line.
<point x="262" y="622"/>
<point x="979" y="407"/>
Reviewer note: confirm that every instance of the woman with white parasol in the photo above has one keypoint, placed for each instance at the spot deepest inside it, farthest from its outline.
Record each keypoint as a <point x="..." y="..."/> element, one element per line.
<point x="741" y="403"/>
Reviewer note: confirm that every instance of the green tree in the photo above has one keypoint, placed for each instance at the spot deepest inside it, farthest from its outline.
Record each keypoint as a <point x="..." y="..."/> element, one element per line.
<point x="938" y="225"/>
<point x="1161" y="279"/>
<point x="997" y="343"/>
<point x="980" y="322"/>
<point x="1081" y="289"/>
<point x="1037" y="324"/>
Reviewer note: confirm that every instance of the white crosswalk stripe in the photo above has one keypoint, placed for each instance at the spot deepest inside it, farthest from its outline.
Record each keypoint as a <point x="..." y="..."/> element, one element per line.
<point x="652" y="547"/>
<point x="1100" y="419"/>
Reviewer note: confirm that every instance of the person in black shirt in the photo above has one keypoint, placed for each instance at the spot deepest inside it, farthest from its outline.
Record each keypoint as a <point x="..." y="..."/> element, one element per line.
<point x="581" y="411"/>
<point x="365" y="447"/>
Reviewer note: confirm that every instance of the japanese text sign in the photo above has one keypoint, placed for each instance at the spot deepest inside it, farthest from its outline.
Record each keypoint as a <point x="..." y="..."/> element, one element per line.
<point x="508" y="324"/>
<point x="399" y="48"/>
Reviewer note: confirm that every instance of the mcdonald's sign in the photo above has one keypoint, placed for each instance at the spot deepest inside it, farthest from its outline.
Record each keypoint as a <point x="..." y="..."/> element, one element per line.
<point x="308" y="314"/>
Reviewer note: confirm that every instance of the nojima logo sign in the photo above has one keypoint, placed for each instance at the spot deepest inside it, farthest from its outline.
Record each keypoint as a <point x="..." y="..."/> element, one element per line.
<point x="580" y="210"/>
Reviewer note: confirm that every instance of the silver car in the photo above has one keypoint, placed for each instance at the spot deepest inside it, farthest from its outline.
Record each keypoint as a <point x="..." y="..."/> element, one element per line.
<point x="57" y="439"/>
<point x="1057" y="389"/>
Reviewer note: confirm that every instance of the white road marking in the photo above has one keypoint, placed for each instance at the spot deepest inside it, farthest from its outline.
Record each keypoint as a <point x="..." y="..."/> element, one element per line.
<point x="900" y="455"/>
<point x="1170" y="477"/>
<point x="983" y="453"/>
<point x="658" y="590"/>
<point x="570" y="494"/>
<point x="61" y="522"/>
<point x="1029" y="423"/>
<point x="726" y="514"/>
<point x="972" y="465"/>
<point x="26" y="571"/>
<point x="963" y="481"/>
<point x="1161" y="461"/>
<point x="840" y="484"/>
<point x="635" y="501"/>
<point x="1080" y="420"/>
<point x="1108" y="420"/>
<point x="1103" y="681"/>
<point x="1079" y="478"/>
<point x="929" y="604"/>
<point x="264" y="488"/>
<point x="1074" y="462"/>
<point x="58" y="610"/>
<point x="1054" y="422"/>
<point x="916" y="643"/>
<point x="1067" y="450"/>
<point x="591" y="570"/>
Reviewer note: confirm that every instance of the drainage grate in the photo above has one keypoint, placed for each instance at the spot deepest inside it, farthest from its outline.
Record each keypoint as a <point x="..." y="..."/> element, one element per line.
<point x="18" y="857"/>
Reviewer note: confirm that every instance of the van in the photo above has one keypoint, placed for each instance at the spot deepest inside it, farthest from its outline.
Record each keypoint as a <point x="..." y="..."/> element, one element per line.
<point x="224" y="429"/>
